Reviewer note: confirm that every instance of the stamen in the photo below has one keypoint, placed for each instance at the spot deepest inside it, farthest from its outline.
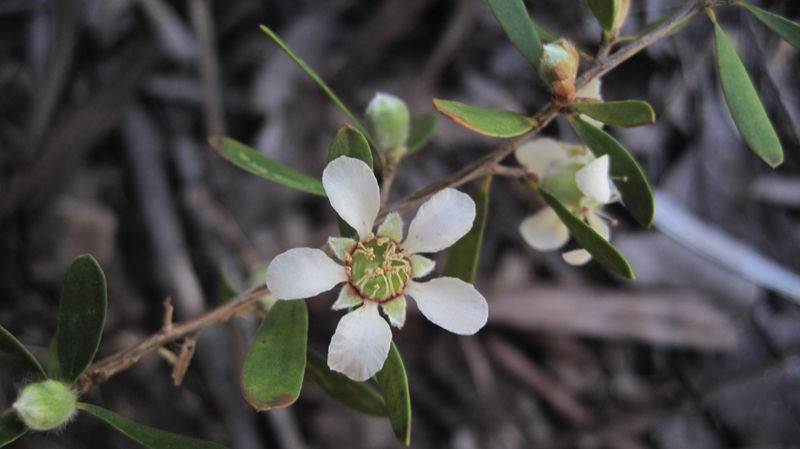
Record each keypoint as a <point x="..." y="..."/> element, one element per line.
<point x="378" y="269"/>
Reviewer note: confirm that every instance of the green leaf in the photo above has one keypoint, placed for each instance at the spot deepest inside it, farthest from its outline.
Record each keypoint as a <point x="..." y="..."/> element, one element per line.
<point x="226" y="289"/>
<point x="393" y="382"/>
<point x="256" y="163"/>
<point x="783" y="27"/>
<point x="462" y="261"/>
<point x="11" y="428"/>
<point x="81" y="317"/>
<point x="600" y="248"/>
<point x="545" y="34"/>
<point x="489" y="122"/>
<point x="348" y="141"/>
<point x="619" y="113"/>
<point x="629" y="178"/>
<point x="11" y="348"/>
<point x="422" y="129"/>
<point x="313" y="75"/>
<point x="144" y="435"/>
<point x="745" y="106"/>
<point x="359" y="396"/>
<point x="272" y="375"/>
<point x="604" y="11"/>
<point x="517" y="24"/>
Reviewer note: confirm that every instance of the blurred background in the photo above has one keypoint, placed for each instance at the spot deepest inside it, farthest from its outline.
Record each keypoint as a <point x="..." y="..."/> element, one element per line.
<point x="105" y="108"/>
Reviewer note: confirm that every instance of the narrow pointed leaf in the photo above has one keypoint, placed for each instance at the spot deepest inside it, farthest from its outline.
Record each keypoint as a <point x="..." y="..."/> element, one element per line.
<point x="144" y="435"/>
<point x="489" y="122"/>
<point x="393" y="382"/>
<point x="462" y="261"/>
<point x="604" y="11"/>
<point x="359" y="396"/>
<point x="313" y="75"/>
<point x="422" y="129"/>
<point x="348" y="141"/>
<point x="11" y="428"/>
<point x="272" y="375"/>
<point x="629" y="178"/>
<point x="600" y="248"/>
<point x="516" y="23"/>
<point x="619" y="113"/>
<point x="81" y="317"/>
<point x="544" y="34"/>
<point x="783" y="27"/>
<point x="226" y="290"/>
<point x="256" y="163"/>
<point x="745" y="106"/>
<point x="11" y="348"/>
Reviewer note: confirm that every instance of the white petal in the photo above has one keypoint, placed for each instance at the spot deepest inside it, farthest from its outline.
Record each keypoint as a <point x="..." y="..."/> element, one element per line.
<point x="544" y="231"/>
<point x="396" y="311"/>
<point x="450" y="303"/>
<point x="347" y="298"/>
<point x="593" y="180"/>
<point x="353" y="192"/>
<point x="341" y="246"/>
<point x="440" y="222"/>
<point x="576" y="257"/>
<point x="303" y="273"/>
<point x="421" y="266"/>
<point x="590" y="90"/>
<point x="360" y="344"/>
<point x="392" y="227"/>
<point x="536" y="155"/>
<point x="599" y="224"/>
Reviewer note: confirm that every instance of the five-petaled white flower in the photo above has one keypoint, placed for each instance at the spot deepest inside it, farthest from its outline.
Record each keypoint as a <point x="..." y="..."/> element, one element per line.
<point x="378" y="271"/>
<point x="577" y="179"/>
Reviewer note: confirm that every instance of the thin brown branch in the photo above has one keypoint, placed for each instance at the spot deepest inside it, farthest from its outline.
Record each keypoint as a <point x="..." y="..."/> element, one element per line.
<point x="243" y="303"/>
<point x="103" y="369"/>
<point x="483" y="166"/>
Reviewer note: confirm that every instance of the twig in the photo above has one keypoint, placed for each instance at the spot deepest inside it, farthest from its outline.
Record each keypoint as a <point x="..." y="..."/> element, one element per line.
<point x="184" y="359"/>
<point x="389" y="172"/>
<point x="544" y="116"/>
<point x="168" y="314"/>
<point x="209" y="68"/>
<point x="100" y="371"/>
<point x="511" y="172"/>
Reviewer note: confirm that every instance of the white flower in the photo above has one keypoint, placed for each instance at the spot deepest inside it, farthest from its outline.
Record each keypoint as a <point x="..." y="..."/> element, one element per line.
<point x="574" y="177"/>
<point x="591" y="90"/>
<point x="378" y="271"/>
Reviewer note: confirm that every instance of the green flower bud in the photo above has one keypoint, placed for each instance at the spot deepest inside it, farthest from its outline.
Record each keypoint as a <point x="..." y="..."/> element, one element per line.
<point x="388" y="120"/>
<point x="558" y="67"/>
<point x="46" y="405"/>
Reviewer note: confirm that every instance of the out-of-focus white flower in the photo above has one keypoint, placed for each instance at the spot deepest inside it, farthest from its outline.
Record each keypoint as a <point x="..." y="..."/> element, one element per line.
<point x="378" y="271"/>
<point x="577" y="179"/>
<point x="591" y="90"/>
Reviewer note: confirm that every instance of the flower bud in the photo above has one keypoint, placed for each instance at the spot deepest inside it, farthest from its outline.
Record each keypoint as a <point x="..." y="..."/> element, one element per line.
<point x="388" y="120"/>
<point x="46" y="405"/>
<point x="558" y="66"/>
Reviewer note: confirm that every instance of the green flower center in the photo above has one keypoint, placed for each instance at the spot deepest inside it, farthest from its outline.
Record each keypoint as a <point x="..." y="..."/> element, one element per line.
<point x="378" y="269"/>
